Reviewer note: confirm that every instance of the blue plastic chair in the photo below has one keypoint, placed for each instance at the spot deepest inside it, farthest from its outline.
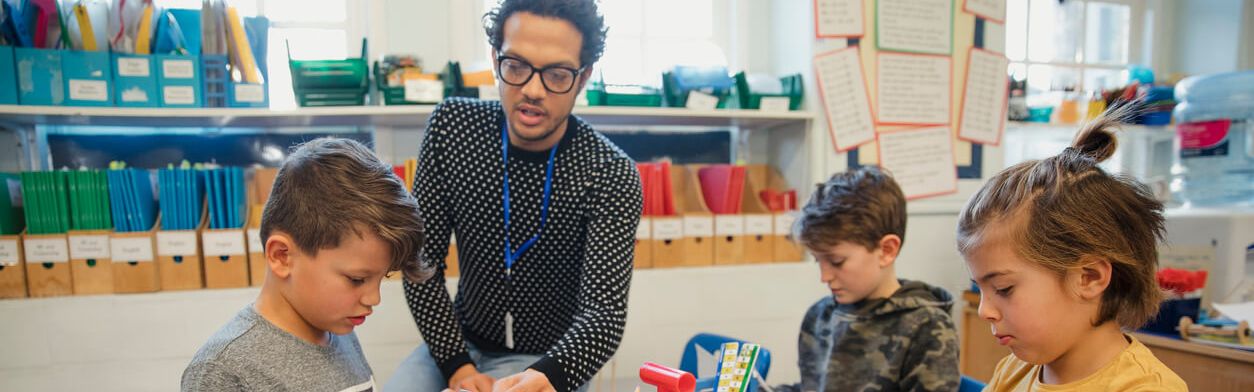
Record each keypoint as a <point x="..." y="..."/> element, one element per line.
<point x="710" y="343"/>
<point x="969" y="384"/>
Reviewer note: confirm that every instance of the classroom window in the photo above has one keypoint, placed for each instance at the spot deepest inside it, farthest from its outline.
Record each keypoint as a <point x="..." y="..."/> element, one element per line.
<point x="1079" y="45"/>
<point x="651" y="36"/>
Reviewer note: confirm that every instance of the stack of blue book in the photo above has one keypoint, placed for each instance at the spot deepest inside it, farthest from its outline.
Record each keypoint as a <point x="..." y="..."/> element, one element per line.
<point x="226" y="194"/>
<point x="181" y="195"/>
<point x="131" y="198"/>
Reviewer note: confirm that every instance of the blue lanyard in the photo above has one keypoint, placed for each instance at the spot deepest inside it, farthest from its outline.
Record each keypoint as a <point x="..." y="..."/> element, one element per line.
<point x="512" y="256"/>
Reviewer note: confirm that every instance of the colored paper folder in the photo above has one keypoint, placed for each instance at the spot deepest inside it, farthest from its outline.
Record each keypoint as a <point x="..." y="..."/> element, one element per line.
<point x="131" y="198"/>
<point x="655" y="181"/>
<point x="722" y="187"/>
<point x="225" y="190"/>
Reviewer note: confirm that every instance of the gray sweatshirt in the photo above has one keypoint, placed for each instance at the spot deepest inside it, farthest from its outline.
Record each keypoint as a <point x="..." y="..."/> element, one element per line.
<point x="251" y="354"/>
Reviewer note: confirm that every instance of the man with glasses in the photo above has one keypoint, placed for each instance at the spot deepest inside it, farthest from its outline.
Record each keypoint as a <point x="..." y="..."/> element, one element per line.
<point x="544" y="210"/>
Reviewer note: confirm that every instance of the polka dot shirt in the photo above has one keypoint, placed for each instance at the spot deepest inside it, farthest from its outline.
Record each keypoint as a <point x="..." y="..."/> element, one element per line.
<point x="567" y="295"/>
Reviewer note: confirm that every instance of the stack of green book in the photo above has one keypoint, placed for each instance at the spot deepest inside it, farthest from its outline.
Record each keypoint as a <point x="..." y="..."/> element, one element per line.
<point x="89" y="200"/>
<point x="46" y="202"/>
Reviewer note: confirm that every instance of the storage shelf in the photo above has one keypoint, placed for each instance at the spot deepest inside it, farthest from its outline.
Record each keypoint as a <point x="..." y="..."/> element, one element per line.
<point x="392" y="116"/>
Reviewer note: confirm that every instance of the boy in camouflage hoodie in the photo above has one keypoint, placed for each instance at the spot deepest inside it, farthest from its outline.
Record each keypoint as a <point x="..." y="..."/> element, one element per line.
<point x="876" y="333"/>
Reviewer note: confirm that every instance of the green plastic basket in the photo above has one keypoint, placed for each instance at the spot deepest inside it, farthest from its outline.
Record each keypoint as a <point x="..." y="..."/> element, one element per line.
<point x="794" y="90"/>
<point x="602" y="95"/>
<point x="394" y="95"/>
<point x="330" y="82"/>
<point x="677" y="98"/>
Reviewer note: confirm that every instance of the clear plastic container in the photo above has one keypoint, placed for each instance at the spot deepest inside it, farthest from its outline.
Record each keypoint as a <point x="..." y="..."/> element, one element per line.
<point x="1214" y="163"/>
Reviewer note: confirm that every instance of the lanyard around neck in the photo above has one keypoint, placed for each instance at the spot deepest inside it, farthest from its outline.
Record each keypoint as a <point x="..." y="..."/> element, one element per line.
<point x="511" y="255"/>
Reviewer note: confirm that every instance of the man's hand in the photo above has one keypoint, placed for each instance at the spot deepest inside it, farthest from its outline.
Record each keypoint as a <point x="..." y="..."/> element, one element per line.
<point x="527" y="381"/>
<point x="469" y="378"/>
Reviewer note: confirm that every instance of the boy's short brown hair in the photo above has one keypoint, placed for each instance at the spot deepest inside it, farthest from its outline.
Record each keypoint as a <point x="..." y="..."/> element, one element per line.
<point x="1060" y="209"/>
<point x="331" y="187"/>
<point x="860" y="206"/>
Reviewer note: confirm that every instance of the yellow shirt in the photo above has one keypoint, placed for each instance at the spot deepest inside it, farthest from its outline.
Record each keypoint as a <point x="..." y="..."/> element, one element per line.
<point x="1135" y="369"/>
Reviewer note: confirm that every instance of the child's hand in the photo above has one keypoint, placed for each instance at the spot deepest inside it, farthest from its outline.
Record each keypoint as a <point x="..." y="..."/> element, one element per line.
<point x="528" y="381"/>
<point x="468" y="378"/>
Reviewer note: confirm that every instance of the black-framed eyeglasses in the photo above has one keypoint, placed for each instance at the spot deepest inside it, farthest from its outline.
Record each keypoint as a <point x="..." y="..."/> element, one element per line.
<point x="556" y="79"/>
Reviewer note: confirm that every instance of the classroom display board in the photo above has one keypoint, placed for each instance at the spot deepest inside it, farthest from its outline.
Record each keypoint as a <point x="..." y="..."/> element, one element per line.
<point x="916" y="91"/>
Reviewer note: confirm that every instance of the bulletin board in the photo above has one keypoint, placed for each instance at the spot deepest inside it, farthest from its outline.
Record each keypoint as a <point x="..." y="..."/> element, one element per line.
<point x="920" y="62"/>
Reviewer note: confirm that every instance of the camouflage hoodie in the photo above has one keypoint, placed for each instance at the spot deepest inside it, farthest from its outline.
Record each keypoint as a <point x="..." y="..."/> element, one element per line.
<point x="905" y="342"/>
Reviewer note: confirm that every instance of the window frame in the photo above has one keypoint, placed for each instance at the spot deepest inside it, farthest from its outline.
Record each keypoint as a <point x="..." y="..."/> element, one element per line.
<point x="1138" y="13"/>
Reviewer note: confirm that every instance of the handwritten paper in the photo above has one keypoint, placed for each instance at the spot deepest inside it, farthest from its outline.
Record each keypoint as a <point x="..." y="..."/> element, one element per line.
<point x="994" y="10"/>
<point x="921" y="160"/>
<point x="843" y="89"/>
<point x="913" y="89"/>
<point x="838" y="18"/>
<point x="920" y="26"/>
<point x="984" y="100"/>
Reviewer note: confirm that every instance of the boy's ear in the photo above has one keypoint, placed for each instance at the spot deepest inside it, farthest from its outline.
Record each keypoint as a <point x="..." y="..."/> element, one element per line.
<point x="279" y="248"/>
<point x="890" y="247"/>
<point x="1092" y="277"/>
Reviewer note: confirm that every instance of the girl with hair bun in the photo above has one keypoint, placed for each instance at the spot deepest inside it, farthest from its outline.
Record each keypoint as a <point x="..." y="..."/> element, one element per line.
<point x="1065" y="255"/>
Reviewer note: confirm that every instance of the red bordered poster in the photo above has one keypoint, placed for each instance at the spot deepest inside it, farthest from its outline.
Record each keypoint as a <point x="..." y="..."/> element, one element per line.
<point x="982" y="116"/>
<point x="913" y="89"/>
<point x="838" y="19"/>
<point x="846" y="99"/>
<point x="921" y="160"/>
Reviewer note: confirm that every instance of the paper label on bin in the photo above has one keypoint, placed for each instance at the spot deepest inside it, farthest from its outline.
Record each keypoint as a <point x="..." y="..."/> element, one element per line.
<point x="132" y="249"/>
<point x="489" y="92"/>
<point x="759" y="224"/>
<point x="252" y="93"/>
<point x="224" y="243"/>
<point x="8" y="253"/>
<point x="702" y="101"/>
<point x="698" y="226"/>
<point x="47" y="250"/>
<point x="89" y="90"/>
<point x="178" y="69"/>
<point x="176" y="243"/>
<point x="137" y="67"/>
<point x="774" y="104"/>
<point x="179" y="95"/>
<point x="84" y="247"/>
<point x="783" y="223"/>
<point x="729" y="225"/>
<point x="254" y="241"/>
<point x="424" y="90"/>
<point x="644" y="230"/>
<point x="668" y="228"/>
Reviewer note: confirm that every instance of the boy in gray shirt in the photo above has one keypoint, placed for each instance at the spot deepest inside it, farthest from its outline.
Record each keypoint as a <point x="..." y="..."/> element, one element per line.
<point x="336" y="223"/>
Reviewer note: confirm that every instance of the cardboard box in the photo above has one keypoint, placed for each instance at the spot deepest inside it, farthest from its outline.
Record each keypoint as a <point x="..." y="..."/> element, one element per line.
<point x="90" y="265"/>
<point x="179" y="260"/>
<point x="642" y="254"/>
<point x="696" y="225"/>
<point x="47" y="265"/>
<point x="226" y="258"/>
<point x="784" y="247"/>
<point x="759" y="235"/>
<point x="135" y="267"/>
<point x="12" y="267"/>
